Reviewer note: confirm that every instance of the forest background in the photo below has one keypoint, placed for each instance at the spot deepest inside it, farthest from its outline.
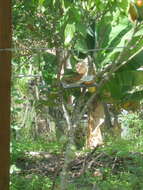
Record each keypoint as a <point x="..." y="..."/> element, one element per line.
<point x="77" y="94"/>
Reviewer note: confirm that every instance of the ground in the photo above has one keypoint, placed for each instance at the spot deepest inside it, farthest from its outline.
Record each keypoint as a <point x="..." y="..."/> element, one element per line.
<point x="105" y="170"/>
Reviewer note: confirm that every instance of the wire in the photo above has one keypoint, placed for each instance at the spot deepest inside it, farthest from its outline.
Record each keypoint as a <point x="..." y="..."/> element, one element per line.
<point x="53" y="49"/>
<point x="22" y="75"/>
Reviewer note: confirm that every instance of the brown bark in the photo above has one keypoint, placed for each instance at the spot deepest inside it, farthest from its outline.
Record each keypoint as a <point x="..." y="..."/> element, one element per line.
<point x="5" y="72"/>
<point x="108" y="122"/>
<point x="95" y="120"/>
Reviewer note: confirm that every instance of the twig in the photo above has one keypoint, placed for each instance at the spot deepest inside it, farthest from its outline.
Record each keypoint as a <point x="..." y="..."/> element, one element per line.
<point x="56" y="174"/>
<point x="77" y="85"/>
<point x="68" y="156"/>
<point x="114" y="163"/>
<point x="87" y="157"/>
<point x="67" y="117"/>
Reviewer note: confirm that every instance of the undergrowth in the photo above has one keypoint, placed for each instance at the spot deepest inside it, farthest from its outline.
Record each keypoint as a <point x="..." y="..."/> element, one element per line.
<point x="119" y="167"/>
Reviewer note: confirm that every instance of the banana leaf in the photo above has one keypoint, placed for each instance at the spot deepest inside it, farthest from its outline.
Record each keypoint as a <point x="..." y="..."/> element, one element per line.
<point x="120" y="84"/>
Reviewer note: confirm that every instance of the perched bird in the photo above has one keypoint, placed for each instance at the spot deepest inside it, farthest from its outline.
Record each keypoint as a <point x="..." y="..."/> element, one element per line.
<point x="136" y="10"/>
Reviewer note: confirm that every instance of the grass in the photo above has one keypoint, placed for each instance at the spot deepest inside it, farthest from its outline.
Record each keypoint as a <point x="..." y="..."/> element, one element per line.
<point x="30" y="182"/>
<point x="121" y="166"/>
<point x="118" y="165"/>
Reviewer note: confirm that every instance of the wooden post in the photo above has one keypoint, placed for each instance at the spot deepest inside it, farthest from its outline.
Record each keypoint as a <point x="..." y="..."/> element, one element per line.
<point x="5" y="73"/>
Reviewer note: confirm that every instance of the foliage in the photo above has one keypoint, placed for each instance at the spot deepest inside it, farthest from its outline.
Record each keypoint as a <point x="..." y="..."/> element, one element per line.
<point x="86" y="25"/>
<point x="120" y="164"/>
<point x="31" y="182"/>
<point x="19" y="148"/>
<point x="133" y="125"/>
<point x="50" y="36"/>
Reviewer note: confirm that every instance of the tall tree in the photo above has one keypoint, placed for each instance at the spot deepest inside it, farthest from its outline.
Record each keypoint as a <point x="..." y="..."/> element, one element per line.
<point x="5" y="73"/>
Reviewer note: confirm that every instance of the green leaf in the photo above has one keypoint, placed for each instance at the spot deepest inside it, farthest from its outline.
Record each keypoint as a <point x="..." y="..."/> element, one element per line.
<point x="81" y="45"/>
<point x="118" y="31"/>
<point x="41" y="2"/>
<point x="135" y="63"/>
<point x="81" y="28"/>
<point x="126" y="80"/>
<point x="69" y="33"/>
<point x="124" y="4"/>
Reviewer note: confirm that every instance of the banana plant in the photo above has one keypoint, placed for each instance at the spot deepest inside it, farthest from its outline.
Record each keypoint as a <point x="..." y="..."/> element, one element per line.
<point x="121" y="84"/>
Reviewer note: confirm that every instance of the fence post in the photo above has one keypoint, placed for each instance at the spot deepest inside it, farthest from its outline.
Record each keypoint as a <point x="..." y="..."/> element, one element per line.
<point x="5" y="73"/>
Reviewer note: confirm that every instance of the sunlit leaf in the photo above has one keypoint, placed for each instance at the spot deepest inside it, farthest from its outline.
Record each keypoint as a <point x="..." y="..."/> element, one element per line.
<point x="124" y="5"/>
<point x="69" y="33"/>
<point x="41" y="2"/>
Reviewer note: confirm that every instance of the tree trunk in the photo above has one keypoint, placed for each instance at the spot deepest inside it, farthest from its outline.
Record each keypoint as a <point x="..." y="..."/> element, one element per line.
<point x="108" y="122"/>
<point x="95" y="120"/>
<point x="5" y="72"/>
<point x="116" y="125"/>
